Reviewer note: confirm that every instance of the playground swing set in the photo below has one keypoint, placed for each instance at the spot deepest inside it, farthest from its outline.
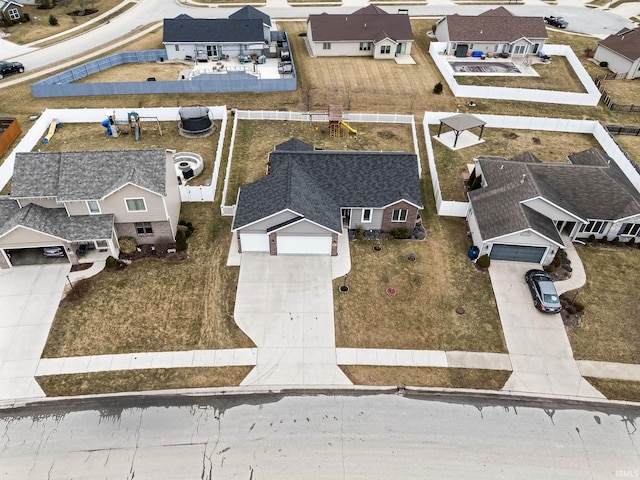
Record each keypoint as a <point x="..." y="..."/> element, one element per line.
<point x="338" y="128"/>
<point x="116" y="127"/>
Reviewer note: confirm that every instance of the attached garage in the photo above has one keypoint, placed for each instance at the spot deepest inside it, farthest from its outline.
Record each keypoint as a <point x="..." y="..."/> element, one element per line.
<point x="254" y="242"/>
<point x="304" y="245"/>
<point x="517" y="253"/>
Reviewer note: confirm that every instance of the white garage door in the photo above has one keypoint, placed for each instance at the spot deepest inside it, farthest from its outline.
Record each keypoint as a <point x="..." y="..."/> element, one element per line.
<point x="304" y="245"/>
<point x="254" y="242"/>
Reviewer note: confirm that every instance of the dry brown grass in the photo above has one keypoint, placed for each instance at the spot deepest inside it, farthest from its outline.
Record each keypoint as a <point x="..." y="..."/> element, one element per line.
<point x="609" y="331"/>
<point x="39" y="27"/>
<point x="426" y="377"/>
<point x="555" y="75"/>
<point x="616" y="389"/>
<point x="255" y="139"/>
<point x="161" y="71"/>
<point x="422" y="313"/>
<point x="92" y="137"/>
<point x="548" y="146"/>
<point x="154" y="305"/>
<point x="623" y="92"/>
<point x="630" y="144"/>
<point x="99" y="383"/>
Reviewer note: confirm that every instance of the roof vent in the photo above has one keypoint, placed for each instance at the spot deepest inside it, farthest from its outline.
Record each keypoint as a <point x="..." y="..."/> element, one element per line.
<point x="524" y="177"/>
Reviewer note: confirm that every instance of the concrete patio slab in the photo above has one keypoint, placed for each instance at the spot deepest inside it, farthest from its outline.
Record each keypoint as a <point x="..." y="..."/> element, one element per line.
<point x="465" y="139"/>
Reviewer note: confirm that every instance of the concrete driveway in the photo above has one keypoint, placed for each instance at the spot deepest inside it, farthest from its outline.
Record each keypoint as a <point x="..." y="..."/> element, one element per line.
<point x="29" y="297"/>
<point x="539" y="349"/>
<point x="285" y="305"/>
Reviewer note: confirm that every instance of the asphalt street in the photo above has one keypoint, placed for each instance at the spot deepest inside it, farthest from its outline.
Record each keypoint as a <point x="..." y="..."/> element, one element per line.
<point x="319" y="436"/>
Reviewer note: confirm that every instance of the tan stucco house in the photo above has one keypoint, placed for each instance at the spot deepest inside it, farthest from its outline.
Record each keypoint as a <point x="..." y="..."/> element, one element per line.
<point x="309" y="197"/>
<point x="84" y="201"/>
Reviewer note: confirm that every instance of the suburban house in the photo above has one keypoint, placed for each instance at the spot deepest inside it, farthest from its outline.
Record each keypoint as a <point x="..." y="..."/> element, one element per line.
<point x="84" y="201"/>
<point x="310" y="196"/>
<point x="368" y="32"/>
<point x="521" y="209"/>
<point x="621" y="51"/>
<point x="245" y="32"/>
<point x="492" y="32"/>
<point x="10" y="11"/>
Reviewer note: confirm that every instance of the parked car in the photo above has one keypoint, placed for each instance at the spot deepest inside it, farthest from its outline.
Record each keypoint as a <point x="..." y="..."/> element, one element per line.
<point x="53" y="251"/>
<point x="9" y="68"/>
<point x="543" y="291"/>
<point x="557" y="22"/>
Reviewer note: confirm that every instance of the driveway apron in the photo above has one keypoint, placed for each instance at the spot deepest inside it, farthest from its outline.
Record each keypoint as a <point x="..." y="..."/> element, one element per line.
<point x="539" y="349"/>
<point x="285" y="305"/>
<point x="29" y="297"/>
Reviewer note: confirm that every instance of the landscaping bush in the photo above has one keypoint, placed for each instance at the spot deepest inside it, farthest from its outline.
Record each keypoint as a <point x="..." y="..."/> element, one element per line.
<point x="438" y="88"/>
<point x="401" y="233"/>
<point x="592" y="238"/>
<point x="589" y="52"/>
<point x="189" y="230"/>
<point x="53" y="21"/>
<point x="25" y="18"/>
<point x="615" y="241"/>
<point x="631" y="242"/>
<point x="360" y="233"/>
<point x="111" y="262"/>
<point x="127" y="244"/>
<point x="484" y="261"/>
<point x="181" y="241"/>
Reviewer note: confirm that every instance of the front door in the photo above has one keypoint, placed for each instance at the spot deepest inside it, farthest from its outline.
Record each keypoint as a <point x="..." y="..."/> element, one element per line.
<point x="567" y="228"/>
<point x="346" y="216"/>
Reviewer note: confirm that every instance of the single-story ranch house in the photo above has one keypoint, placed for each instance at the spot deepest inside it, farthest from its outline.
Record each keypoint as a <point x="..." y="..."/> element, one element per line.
<point x="309" y="196"/>
<point x="621" y="51"/>
<point x="519" y="208"/>
<point x="84" y="201"/>
<point x="368" y="32"/>
<point x="493" y="32"/>
<point x="245" y="32"/>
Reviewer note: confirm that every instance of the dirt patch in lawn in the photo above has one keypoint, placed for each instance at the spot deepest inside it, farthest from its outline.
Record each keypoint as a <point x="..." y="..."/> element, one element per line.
<point x="98" y="383"/>
<point x="609" y="329"/>
<point x="547" y="146"/>
<point x="426" y="377"/>
<point x="616" y="389"/>
<point x="154" y="305"/>
<point x="256" y="139"/>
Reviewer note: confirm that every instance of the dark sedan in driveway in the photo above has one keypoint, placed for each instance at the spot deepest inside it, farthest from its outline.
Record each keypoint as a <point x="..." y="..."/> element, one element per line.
<point x="543" y="291"/>
<point x="9" y="68"/>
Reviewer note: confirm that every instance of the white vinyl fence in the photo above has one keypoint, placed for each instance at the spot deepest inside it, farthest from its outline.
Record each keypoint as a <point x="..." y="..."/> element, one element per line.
<point x="604" y="138"/>
<point x="591" y="98"/>
<point x="229" y="210"/>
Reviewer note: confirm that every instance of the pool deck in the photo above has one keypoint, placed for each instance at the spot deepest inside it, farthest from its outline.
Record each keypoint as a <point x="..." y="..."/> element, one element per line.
<point x="522" y="64"/>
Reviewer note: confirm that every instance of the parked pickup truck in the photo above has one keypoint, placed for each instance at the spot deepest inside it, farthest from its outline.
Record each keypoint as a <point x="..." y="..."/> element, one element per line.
<point x="557" y="22"/>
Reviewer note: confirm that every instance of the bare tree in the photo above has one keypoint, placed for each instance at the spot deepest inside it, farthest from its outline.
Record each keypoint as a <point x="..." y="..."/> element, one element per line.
<point x="307" y="97"/>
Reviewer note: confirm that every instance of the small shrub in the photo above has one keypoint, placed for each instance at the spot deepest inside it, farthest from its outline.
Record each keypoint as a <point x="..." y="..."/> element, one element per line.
<point x="111" y="262"/>
<point x="127" y="244"/>
<point x="568" y="268"/>
<point x="25" y="18"/>
<point x="400" y="233"/>
<point x="484" y="261"/>
<point x="189" y="230"/>
<point x="437" y="89"/>
<point x="589" y="52"/>
<point x="360" y="232"/>
<point x="631" y="241"/>
<point x="592" y="238"/>
<point x="615" y="241"/>
<point x="603" y="240"/>
<point x="181" y="241"/>
<point x="53" y="21"/>
<point x="433" y="28"/>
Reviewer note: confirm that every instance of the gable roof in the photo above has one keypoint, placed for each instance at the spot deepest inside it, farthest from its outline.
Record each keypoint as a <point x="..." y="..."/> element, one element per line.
<point x="496" y="25"/>
<point x="586" y="191"/>
<point x="315" y="184"/>
<point x="76" y="176"/>
<point x="5" y="4"/>
<point x="249" y="12"/>
<point x="626" y="42"/>
<point x="57" y="223"/>
<point x="183" y="28"/>
<point x="367" y="24"/>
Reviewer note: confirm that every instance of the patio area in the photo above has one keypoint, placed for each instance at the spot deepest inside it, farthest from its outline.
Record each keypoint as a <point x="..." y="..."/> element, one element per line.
<point x="272" y="68"/>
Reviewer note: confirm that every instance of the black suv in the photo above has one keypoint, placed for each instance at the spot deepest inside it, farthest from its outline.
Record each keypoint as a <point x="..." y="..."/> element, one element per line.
<point x="8" y="68"/>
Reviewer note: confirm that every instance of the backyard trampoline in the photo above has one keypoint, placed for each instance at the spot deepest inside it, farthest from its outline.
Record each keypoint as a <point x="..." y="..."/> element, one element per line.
<point x="484" y="67"/>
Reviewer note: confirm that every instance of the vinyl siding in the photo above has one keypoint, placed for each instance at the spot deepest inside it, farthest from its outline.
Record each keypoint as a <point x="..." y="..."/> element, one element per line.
<point x="262" y="225"/>
<point x="304" y="228"/>
<point x="172" y="199"/>
<point x="549" y="210"/>
<point x="25" y="238"/>
<point x="115" y="203"/>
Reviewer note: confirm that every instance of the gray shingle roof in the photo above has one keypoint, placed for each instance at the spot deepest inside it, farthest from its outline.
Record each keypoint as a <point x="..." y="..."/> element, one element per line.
<point x="249" y="12"/>
<point x="294" y="145"/>
<point x="316" y="184"/>
<point x="56" y="222"/>
<point x="496" y="25"/>
<point x="587" y="191"/>
<point x="626" y="42"/>
<point x="70" y="176"/>
<point x="189" y="30"/>
<point x="367" y="24"/>
<point x="8" y="208"/>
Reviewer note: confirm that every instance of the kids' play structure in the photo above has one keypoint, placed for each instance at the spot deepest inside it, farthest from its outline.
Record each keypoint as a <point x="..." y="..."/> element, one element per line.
<point x="338" y="128"/>
<point x="116" y="127"/>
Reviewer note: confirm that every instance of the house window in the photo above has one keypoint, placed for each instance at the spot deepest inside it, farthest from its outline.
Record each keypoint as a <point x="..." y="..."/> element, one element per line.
<point x="177" y="48"/>
<point x="102" y="244"/>
<point x="630" y="229"/>
<point x="14" y="14"/>
<point x="366" y="215"/>
<point x="144" y="228"/>
<point x="399" y="215"/>
<point x="519" y="49"/>
<point x="594" y="226"/>
<point x="365" y="46"/>
<point x="499" y="47"/>
<point x="136" y="205"/>
<point x="326" y="46"/>
<point x="385" y="49"/>
<point x="94" y="207"/>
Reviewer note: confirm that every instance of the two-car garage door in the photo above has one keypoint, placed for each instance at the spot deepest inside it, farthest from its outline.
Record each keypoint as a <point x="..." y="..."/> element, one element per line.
<point x="287" y="245"/>
<point x="517" y="253"/>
